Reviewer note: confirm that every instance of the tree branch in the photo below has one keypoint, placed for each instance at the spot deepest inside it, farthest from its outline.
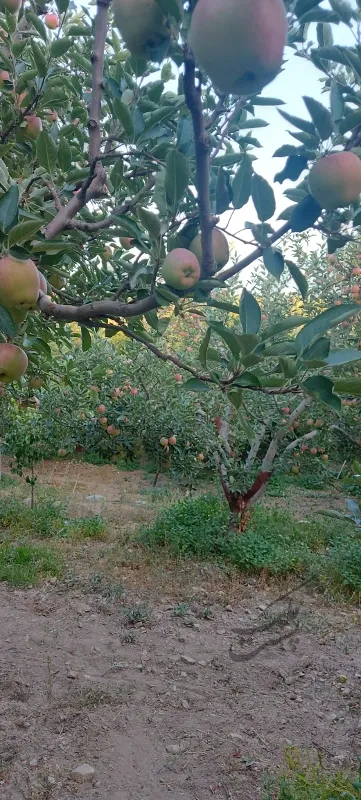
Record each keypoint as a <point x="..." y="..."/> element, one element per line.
<point x="202" y="148"/>
<point x="257" y="253"/>
<point x="97" y="59"/>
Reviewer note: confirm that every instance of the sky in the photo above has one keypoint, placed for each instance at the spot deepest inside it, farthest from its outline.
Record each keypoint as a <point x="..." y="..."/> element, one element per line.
<point x="299" y="78"/>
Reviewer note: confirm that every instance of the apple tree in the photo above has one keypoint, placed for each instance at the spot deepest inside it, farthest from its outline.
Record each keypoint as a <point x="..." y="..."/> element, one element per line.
<point x="125" y="136"/>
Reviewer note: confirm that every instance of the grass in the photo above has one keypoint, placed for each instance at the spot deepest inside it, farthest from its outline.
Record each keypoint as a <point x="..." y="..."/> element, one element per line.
<point x="275" y="543"/>
<point x="312" y="783"/>
<point x="88" y="528"/>
<point x="26" y="564"/>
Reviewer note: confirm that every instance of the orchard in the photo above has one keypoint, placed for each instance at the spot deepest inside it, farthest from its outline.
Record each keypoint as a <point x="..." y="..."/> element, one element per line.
<point x="173" y="303"/>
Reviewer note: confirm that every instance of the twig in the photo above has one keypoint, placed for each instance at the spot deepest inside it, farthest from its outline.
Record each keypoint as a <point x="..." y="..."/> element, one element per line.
<point x="257" y="253"/>
<point x="202" y="148"/>
<point x="225" y="130"/>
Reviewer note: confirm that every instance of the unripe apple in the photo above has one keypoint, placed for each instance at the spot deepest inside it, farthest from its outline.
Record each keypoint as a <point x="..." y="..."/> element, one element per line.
<point x="172" y="440"/>
<point x="61" y="452"/>
<point x="12" y="5"/>
<point x="200" y="457"/>
<point x="309" y="422"/>
<point x="116" y="393"/>
<point x="144" y="27"/>
<point x="101" y="409"/>
<point x="52" y="21"/>
<point x="163" y="441"/>
<point x="181" y="269"/>
<point x="13" y="363"/>
<point x="57" y="281"/>
<point x="239" y="44"/>
<point x="4" y="76"/>
<point x="325" y="457"/>
<point x="103" y="421"/>
<point x="95" y="388"/>
<point x="19" y="284"/>
<point x="36" y="382"/>
<point x="286" y="410"/>
<point x="220" y="248"/>
<point x="319" y="423"/>
<point x="295" y="469"/>
<point x="335" y="180"/>
<point x="313" y="451"/>
<point x="178" y="377"/>
<point x="110" y="429"/>
<point x="134" y="391"/>
<point x="126" y="242"/>
<point x="304" y="448"/>
<point x="34" y="126"/>
<point x="107" y="253"/>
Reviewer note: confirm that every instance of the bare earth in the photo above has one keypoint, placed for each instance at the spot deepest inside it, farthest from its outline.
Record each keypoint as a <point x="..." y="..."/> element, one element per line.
<point x="160" y="709"/>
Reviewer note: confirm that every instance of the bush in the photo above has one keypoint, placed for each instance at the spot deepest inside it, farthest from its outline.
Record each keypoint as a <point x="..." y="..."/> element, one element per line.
<point x="192" y="527"/>
<point x="313" y="783"/>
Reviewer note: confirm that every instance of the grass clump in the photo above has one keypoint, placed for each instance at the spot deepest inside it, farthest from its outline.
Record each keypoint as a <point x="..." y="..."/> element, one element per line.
<point x="45" y="520"/>
<point x="26" y="564"/>
<point x="88" y="528"/>
<point x="312" y="783"/>
<point x="274" y="542"/>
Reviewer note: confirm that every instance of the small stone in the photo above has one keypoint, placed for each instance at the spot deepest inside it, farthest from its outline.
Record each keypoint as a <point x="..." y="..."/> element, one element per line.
<point x="262" y="606"/>
<point x="188" y="660"/>
<point x="183" y="674"/>
<point x="346" y="691"/>
<point x="299" y="699"/>
<point x="173" y="749"/>
<point x="34" y="762"/>
<point x="72" y="675"/>
<point x="221" y="631"/>
<point x="182" y="639"/>
<point x="185" y="704"/>
<point x="289" y="680"/>
<point x="22" y="723"/>
<point x="51" y="780"/>
<point x="237" y="736"/>
<point x="342" y="679"/>
<point x="82" y="773"/>
<point x="229" y="609"/>
<point x="202" y="663"/>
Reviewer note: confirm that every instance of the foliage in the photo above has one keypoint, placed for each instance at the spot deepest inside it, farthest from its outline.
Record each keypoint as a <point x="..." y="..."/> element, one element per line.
<point x="24" y="564"/>
<point x="274" y="543"/>
<point x="312" y="783"/>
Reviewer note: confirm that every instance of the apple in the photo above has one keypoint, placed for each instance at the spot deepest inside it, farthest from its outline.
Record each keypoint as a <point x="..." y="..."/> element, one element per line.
<point x="181" y="269"/>
<point x="103" y="421"/>
<point x="116" y="393"/>
<point x="19" y="284"/>
<point x="13" y="363"/>
<point x="304" y="448"/>
<point x="356" y="270"/>
<point x="111" y="429"/>
<point x="126" y="242"/>
<point x="43" y="283"/>
<point x="163" y="441"/>
<point x="295" y="469"/>
<point x="61" y="452"/>
<point x="285" y="410"/>
<point x="313" y="451"/>
<point x="101" y="409"/>
<point x="319" y="423"/>
<point x="325" y="457"/>
<point x="4" y="76"/>
<point x="134" y="391"/>
<point x="34" y="126"/>
<point x="178" y="377"/>
<point x="172" y="440"/>
<point x="52" y="21"/>
<point x="94" y="388"/>
<point x="310" y="422"/>
<point x="57" y="281"/>
<point x="200" y="457"/>
<point x="36" y="382"/>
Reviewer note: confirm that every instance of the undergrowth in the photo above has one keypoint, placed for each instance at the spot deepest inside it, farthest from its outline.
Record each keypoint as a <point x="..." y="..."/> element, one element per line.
<point x="26" y="564"/>
<point x="312" y="783"/>
<point x="329" y="555"/>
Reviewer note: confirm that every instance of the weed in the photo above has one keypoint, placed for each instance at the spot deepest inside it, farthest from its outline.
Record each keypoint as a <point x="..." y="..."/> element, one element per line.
<point x="274" y="542"/>
<point x="88" y="528"/>
<point x="312" y="783"/>
<point x="114" y="592"/>
<point x="6" y="480"/>
<point x="45" y="520"/>
<point x="24" y="564"/>
<point x="135" y="614"/>
<point x="181" y="610"/>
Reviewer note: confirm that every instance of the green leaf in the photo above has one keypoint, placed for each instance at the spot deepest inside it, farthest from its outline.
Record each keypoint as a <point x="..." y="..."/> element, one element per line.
<point x="124" y="116"/>
<point x="86" y="339"/>
<point x="250" y="313"/>
<point x="235" y="396"/>
<point x="323" y="389"/>
<point x="9" y="204"/>
<point x="285" y="325"/>
<point x="196" y="385"/>
<point x="163" y="293"/>
<point x="288" y="367"/>
<point x="149" y="221"/>
<point x="247" y="379"/>
<point x="39" y="58"/>
<point x="337" y="102"/>
<point x="246" y="427"/>
<point x="24" y="231"/>
<point x="46" y="151"/>
<point x="62" y="6"/>
<point x="223" y="306"/>
<point x="223" y="191"/>
<point x="250" y="124"/>
<point x="318" y="351"/>
<point x="350" y="122"/>
<point x="305" y="214"/>
<point x="7" y="324"/>
<point x="242" y="182"/>
<point x="302" y="124"/>
<point x="202" y="356"/>
<point x="323" y="322"/>
<point x="273" y="261"/>
<point x="248" y="342"/>
<point x="348" y="386"/>
<point x="263" y="198"/>
<point x="37" y="24"/>
<point x="64" y="154"/>
<point x="299" y="278"/>
<point x="321" y="117"/>
<point x="177" y="175"/>
<point x="59" y="47"/>
<point x="228" y="337"/>
<point x="337" y="358"/>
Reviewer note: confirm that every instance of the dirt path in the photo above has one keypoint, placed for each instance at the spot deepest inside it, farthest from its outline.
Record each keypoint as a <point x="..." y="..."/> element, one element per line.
<point x="161" y="710"/>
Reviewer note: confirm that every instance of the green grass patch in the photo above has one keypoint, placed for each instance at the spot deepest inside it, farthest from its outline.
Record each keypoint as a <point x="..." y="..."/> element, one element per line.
<point x="45" y="520"/>
<point x="87" y="528"/>
<point x="328" y="554"/>
<point x="26" y="564"/>
<point x="312" y="783"/>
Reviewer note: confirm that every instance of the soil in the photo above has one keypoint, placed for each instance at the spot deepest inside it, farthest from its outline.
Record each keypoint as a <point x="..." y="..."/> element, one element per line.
<point x="160" y="707"/>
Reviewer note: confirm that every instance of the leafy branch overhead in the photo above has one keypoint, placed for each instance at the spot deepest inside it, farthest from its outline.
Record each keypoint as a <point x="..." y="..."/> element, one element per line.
<point x="128" y="148"/>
